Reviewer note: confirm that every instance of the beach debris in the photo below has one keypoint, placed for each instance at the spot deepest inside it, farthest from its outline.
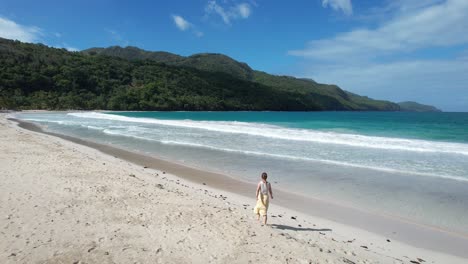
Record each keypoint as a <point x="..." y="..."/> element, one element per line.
<point x="132" y="175"/>
<point x="280" y="215"/>
<point x="351" y="241"/>
<point x="420" y="260"/>
<point x="103" y="163"/>
<point x="145" y="167"/>
<point x="160" y="186"/>
<point x="299" y="225"/>
<point x="91" y="249"/>
<point x="365" y="247"/>
<point x="345" y="260"/>
<point x="415" y="262"/>
<point x="293" y="217"/>
<point x="12" y="255"/>
<point x="204" y="183"/>
<point x="164" y="172"/>
<point x="388" y="240"/>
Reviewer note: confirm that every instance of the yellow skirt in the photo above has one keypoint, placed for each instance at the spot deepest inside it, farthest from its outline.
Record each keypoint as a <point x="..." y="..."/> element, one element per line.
<point x="261" y="207"/>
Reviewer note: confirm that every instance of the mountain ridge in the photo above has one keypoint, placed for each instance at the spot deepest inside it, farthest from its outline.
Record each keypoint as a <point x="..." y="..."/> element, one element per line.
<point x="332" y="94"/>
<point x="34" y="76"/>
<point x="410" y="106"/>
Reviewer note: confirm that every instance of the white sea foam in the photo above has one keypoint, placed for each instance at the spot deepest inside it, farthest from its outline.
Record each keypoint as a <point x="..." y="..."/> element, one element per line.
<point x="277" y="132"/>
<point x="333" y="162"/>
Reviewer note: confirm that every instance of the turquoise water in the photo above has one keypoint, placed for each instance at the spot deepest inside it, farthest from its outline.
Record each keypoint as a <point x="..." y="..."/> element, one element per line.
<point x="413" y="165"/>
<point x="442" y="126"/>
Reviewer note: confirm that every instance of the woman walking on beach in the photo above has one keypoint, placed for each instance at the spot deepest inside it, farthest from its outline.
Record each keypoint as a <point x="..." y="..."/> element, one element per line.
<point x="263" y="189"/>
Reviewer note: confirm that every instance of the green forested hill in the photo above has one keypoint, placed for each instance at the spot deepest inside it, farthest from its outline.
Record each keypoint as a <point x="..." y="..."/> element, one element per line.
<point x="34" y="76"/>
<point x="417" y="107"/>
<point x="203" y="61"/>
<point x="327" y="97"/>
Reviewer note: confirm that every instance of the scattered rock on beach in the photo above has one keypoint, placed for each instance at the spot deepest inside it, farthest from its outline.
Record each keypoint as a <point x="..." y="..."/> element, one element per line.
<point x="388" y="240"/>
<point x="293" y="217"/>
<point x="365" y="247"/>
<point x="415" y="262"/>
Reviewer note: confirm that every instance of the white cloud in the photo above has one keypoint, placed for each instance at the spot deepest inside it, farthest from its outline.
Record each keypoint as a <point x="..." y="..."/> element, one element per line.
<point x="344" y="5"/>
<point x="438" y="25"/>
<point x="438" y="82"/>
<point x="227" y="14"/>
<point x="181" y="23"/>
<point x="69" y="48"/>
<point x="66" y="46"/>
<point x="198" y="33"/>
<point x="244" y="10"/>
<point x="11" y="30"/>
<point x="408" y="56"/>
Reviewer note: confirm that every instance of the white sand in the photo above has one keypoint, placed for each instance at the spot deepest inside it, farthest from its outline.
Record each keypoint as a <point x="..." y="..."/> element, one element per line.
<point x="61" y="202"/>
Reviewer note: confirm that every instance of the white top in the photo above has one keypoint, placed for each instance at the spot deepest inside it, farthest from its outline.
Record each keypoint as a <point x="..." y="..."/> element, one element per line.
<point x="264" y="187"/>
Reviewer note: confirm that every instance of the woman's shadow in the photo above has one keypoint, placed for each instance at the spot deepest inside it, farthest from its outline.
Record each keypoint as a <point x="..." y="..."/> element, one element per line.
<point x="286" y="227"/>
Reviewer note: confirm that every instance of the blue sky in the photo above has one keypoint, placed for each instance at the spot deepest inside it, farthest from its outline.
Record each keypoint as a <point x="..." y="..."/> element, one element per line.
<point x="389" y="49"/>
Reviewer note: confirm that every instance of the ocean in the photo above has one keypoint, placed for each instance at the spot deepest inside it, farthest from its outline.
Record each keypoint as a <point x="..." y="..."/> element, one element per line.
<point x="409" y="165"/>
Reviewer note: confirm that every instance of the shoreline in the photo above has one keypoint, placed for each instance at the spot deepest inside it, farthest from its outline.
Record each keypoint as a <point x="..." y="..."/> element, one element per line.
<point x="430" y="238"/>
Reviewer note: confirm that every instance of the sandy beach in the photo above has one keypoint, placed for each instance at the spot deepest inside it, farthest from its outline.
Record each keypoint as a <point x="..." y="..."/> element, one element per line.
<point x="68" y="201"/>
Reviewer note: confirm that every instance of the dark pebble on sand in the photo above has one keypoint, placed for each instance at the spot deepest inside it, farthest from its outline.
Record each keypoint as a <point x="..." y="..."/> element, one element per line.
<point x="204" y="183"/>
<point x="388" y="240"/>
<point x="293" y="217"/>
